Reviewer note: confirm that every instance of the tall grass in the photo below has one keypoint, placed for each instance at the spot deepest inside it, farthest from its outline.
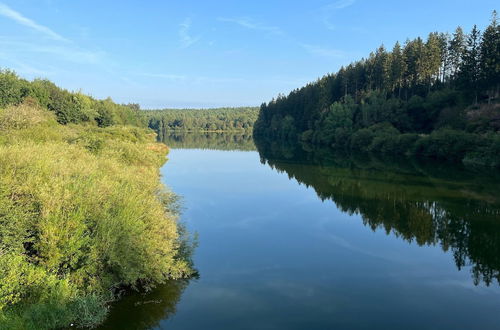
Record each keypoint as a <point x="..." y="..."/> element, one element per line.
<point x="82" y="212"/>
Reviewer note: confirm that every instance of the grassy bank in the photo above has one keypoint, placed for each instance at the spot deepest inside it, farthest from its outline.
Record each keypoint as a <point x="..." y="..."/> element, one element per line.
<point x="82" y="213"/>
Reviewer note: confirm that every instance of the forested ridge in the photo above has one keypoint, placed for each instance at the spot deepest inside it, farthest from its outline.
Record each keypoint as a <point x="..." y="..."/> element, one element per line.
<point x="436" y="98"/>
<point x="82" y="211"/>
<point x="216" y="119"/>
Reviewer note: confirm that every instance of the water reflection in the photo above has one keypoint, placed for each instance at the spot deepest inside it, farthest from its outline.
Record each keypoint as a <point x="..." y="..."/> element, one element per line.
<point x="430" y="204"/>
<point x="208" y="140"/>
<point x="272" y="255"/>
<point x="145" y="310"/>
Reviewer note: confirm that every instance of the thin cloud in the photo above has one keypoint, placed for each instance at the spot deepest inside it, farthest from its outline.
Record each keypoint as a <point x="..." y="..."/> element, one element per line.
<point x="252" y="25"/>
<point x="70" y="54"/>
<point x="341" y="4"/>
<point x="184" y="34"/>
<point x="219" y="80"/>
<point x="166" y="76"/>
<point x="329" y="10"/>
<point x="311" y="49"/>
<point x="20" y="19"/>
<point x="189" y="79"/>
<point x="322" y="51"/>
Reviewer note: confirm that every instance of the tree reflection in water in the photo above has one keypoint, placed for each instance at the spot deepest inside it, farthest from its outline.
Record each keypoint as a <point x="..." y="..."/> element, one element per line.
<point x="430" y="204"/>
<point x="146" y="310"/>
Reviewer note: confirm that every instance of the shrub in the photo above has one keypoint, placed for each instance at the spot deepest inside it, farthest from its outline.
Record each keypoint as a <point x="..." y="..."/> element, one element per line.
<point x="26" y="115"/>
<point x="361" y="139"/>
<point x="488" y="155"/>
<point x="447" y="144"/>
<point x="307" y="135"/>
<point x="82" y="212"/>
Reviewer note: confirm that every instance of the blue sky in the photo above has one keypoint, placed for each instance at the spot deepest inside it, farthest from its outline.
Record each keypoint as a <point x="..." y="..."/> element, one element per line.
<point x="209" y="53"/>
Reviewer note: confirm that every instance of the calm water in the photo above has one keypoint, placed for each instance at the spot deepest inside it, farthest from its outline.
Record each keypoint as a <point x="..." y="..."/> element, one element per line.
<point x="295" y="239"/>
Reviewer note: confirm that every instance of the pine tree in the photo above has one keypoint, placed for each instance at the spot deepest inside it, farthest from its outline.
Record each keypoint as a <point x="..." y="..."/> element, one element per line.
<point x="381" y="67"/>
<point x="490" y="59"/>
<point x="413" y="55"/>
<point x="456" y="50"/>
<point x="444" y="40"/>
<point x="431" y="61"/>
<point x="397" y="68"/>
<point x="470" y="69"/>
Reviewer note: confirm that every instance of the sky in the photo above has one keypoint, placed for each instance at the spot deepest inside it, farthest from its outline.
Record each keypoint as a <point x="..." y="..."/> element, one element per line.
<point x="187" y="54"/>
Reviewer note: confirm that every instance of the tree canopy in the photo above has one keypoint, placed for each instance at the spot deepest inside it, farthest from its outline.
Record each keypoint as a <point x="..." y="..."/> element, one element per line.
<point x="446" y="81"/>
<point x="69" y="107"/>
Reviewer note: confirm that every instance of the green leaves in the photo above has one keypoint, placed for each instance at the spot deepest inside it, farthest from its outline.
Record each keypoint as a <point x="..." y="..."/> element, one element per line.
<point x="81" y="212"/>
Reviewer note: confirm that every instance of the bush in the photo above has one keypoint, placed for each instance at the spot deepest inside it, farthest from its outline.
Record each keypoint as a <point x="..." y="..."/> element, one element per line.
<point x="12" y="89"/>
<point x="26" y="115"/>
<point x="307" y="135"/>
<point x="448" y="144"/>
<point x="342" y="138"/>
<point x="396" y="144"/>
<point x="82" y="212"/>
<point x="361" y="139"/>
<point x="488" y="155"/>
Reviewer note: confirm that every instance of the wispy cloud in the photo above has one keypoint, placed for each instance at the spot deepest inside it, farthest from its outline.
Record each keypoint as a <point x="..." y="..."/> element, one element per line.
<point x="70" y="54"/>
<point x="189" y="79"/>
<point x="329" y="10"/>
<point x="219" y="80"/>
<point x="341" y="4"/>
<point x="252" y="25"/>
<point x="315" y="50"/>
<point x="10" y="13"/>
<point x="323" y="51"/>
<point x="166" y="76"/>
<point x="184" y="34"/>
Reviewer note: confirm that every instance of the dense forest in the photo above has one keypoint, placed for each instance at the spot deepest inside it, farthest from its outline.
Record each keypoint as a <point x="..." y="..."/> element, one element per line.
<point x="82" y="210"/>
<point x="422" y="202"/>
<point x="218" y="119"/>
<point x="436" y="98"/>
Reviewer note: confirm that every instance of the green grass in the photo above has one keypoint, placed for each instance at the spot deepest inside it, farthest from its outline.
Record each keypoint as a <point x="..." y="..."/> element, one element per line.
<point x="82" y="212"/>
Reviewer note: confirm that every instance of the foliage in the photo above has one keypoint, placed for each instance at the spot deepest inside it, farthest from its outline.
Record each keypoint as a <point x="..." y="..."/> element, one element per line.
<point x="81" y="214"/>
<point x="219" y="119"/>
<point x="69" y="107"/>
<point x="420" y="88"/>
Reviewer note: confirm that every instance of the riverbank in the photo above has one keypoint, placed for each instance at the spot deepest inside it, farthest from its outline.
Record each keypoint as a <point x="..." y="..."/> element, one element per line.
<point x="83" y="213"/>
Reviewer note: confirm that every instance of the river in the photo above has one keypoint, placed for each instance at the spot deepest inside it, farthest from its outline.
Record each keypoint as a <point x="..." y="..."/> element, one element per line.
<point x="292" y="237"/>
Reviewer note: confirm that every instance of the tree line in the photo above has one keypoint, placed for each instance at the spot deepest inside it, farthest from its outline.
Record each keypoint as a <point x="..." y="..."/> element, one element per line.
<point x="217" y="119"/>
<point x="446" y="86"/>
<point x="69" y="107"/>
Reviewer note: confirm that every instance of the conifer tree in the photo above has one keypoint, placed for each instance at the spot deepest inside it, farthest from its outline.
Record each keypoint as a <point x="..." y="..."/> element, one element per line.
<point x="456" y="50"/>
<point x="490" y="59"/>
<point x="470" y="69"/>
<point x="397" y="67"/>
